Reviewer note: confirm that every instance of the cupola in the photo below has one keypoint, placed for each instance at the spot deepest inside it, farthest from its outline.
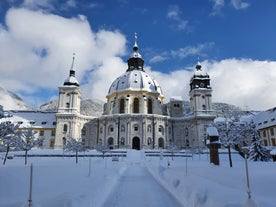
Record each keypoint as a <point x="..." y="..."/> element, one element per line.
<point x="135" y="61"/>
<point x="200" y="78"/>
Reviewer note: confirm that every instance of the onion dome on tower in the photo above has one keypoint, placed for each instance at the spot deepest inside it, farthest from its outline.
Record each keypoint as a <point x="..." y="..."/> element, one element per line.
<point x="71" y="80"/>
<point x="200" y="78"/>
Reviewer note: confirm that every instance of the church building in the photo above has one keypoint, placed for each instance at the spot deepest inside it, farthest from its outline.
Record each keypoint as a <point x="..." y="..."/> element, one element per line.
<point x="135" y="115"/>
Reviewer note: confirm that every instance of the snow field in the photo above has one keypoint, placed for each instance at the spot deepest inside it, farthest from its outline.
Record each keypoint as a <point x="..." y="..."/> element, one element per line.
<point x="59" y="182"/>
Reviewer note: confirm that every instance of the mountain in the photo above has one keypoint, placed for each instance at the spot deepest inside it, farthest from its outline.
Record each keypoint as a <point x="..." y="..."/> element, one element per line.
<point x="89" y="107"/>
<point x="11" y="101"/>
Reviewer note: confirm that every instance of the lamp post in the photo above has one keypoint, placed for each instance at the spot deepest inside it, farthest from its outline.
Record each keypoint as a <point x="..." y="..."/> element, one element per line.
<point x="245" y="151"/>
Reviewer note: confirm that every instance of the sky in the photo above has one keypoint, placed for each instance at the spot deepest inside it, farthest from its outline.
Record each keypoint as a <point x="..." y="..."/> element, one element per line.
<point x="233" y="39"/>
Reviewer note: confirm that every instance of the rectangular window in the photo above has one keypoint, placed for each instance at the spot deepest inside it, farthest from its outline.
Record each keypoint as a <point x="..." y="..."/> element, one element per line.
<point x="53" y="133"/>
<point x="41" y="133"/>
<point x="272" y="132"/>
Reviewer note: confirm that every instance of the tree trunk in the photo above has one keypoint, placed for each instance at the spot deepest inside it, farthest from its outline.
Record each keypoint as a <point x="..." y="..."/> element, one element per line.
<point x="8" y="149"/>
<point x="229" y="155"/>
<point x="76" y="157"/>
<point x="26" y="155"/>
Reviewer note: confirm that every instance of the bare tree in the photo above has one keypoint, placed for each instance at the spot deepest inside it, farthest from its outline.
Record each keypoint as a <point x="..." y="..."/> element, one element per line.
<point x="9" y="138"/>
<point x="76" y="146"/>
<point x="28" y="140"/>
<point x="103" y="149"/>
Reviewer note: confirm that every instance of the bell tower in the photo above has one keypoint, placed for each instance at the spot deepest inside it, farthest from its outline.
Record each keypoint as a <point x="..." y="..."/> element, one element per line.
<point x="200" y="92"/>
<point x="68" y="124"/>
<point x="70" y="94"/>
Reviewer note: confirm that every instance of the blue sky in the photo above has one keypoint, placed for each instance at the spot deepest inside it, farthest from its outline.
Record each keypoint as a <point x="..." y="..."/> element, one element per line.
<point x="234" y="40"/>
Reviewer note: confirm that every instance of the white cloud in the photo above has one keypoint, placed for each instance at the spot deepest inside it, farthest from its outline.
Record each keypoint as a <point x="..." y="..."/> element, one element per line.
<point x="36" y="49"/>
<point x="238" y="4"/>
<point x="217" y="6"/>
<point x="157" y="58"/>
<point x="244" y="82"/>
<point x="191" y="50"/>
<point x="174" y="13"/>
<point x="36" y="53"/>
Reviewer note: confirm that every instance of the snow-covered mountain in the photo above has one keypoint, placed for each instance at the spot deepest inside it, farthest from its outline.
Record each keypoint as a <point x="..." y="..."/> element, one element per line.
<point x="89" y="107"/>
<point x="11" y="101"/>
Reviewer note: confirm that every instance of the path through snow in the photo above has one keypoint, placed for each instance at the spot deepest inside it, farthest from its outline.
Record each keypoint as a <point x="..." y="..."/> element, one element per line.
<point x="137" y="187"/>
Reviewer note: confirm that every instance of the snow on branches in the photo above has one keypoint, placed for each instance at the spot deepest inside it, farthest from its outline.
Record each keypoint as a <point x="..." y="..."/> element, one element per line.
<point x="76" y="146"/>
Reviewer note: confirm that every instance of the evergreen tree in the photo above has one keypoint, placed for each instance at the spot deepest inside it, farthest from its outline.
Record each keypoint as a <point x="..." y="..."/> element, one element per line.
<point x="258" y="152"/>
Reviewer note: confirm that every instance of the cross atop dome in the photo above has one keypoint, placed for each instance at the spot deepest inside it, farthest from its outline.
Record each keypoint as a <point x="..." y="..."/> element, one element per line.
<point x="135" y="46"/>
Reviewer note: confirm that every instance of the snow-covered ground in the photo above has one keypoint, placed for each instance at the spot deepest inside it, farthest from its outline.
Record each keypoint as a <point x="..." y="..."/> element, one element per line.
<point x="135" y="180"/>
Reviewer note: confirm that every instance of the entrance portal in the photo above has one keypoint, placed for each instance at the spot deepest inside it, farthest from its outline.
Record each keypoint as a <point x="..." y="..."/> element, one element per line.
<point x="136" y="143"/>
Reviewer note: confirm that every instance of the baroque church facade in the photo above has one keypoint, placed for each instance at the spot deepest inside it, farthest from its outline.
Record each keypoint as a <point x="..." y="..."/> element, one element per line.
<point x="134" y="115"/>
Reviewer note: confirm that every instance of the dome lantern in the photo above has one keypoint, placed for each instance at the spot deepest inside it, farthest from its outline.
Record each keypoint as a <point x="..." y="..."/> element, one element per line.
<point x="135" y="61"/>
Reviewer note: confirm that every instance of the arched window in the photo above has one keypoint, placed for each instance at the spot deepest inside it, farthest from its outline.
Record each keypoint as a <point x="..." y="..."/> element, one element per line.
<point x="64" y="141"/>
<point x="110" y="142"/>
<point x="135" y="127"/>
<point x="161" y="129"/>
<point x="111" y="129"/>
<point x="273" y="141"/>
<point x="149" y="128"/>
<point x="65" y="128"/>
<point x="149" y="106"/>
<point x="149" y="140"/>
<point x="122" y="106"/>
<point x="161" y="143"/>
<point x="83" y="131"/>
<point x="136" y="105"/>
<point x="123" y="141"/>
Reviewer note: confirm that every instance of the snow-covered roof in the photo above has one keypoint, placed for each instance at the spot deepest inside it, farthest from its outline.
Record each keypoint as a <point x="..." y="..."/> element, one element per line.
<point x="265" y="119"/>
<point x="35" y="119"/>
<point x="199" y="73"/>
<point x="212" y="131"/>
<point x="71" y="81"/>
<point x="176" y="98"/>
<point x="273" y="152"/>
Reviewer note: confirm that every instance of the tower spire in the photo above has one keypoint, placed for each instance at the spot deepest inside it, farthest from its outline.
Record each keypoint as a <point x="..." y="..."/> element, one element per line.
<point x="135" y="46"/>
<point x="73" y="62"/>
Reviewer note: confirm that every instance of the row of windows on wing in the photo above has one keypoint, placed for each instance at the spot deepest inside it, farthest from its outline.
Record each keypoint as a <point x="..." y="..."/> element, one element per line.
<point x="135" y="128"/>
<point x="110" y="142"/>
<point x="136" y="104"/>
<point x="33" y="122"/>
<point x="111" y="129"/>
<point x="268" y="136"/>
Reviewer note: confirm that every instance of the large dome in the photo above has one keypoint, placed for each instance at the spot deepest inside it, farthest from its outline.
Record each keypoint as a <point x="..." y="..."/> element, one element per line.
<point x="135" y="80"/>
